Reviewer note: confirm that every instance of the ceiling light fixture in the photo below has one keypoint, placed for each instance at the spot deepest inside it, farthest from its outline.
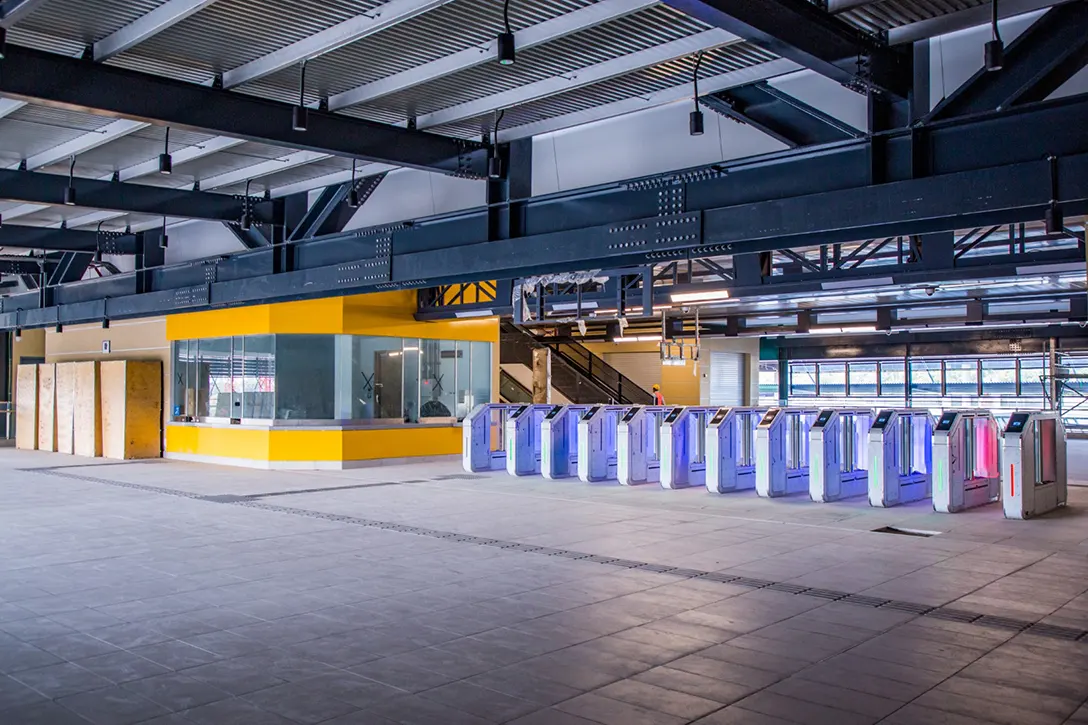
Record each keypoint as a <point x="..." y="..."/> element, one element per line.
<point x="3" y="42"/>
<point x="506" y="47"/>
<point x="695" y="121"/>
<point x="166" y="161"/>
<point x="247" y="223"/>
<point x="707" y="296"/>
<point x="353" y="195"/>
<point x="994" y="52"/>
<point x="494" y="164"/>
<point x="300" y="114"/>
<point x="639" y="338"/>
<point x="70" y="192"/>
<point x="164" y="241"/>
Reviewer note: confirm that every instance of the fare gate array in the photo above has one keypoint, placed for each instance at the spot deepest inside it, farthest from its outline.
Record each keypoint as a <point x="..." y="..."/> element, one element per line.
<point x="893" y="457"/>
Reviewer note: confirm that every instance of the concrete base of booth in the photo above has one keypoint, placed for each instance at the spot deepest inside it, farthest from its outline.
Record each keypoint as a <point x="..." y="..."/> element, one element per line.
<point x="310" y="449"/>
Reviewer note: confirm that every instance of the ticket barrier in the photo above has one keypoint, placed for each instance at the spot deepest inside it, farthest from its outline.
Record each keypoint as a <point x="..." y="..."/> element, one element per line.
<point x="523" y="439"/>
<point x="559" y="441"/>
<point x="965" y="467"/>
<point x="1034" y="465"/>
<point x="900" y="457"/>
<point x="637" y="445"/>
<point x="683" y="447"/>
<point x="782" y="448"/>
<point x="837" y="450"/>
<point x="730" y="449"/>
<point x="598" y="431"/>
<point x="483" y="437"/>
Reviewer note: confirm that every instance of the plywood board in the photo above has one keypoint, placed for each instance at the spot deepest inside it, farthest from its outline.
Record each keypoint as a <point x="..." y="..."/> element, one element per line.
<point x="26" y="407"/>
<point x="88" y="411"/>
<point x="66" y="407"/>
<point x="47" y="407"/>
<point x="143" y="415"/>
<point x="131" y="409"/>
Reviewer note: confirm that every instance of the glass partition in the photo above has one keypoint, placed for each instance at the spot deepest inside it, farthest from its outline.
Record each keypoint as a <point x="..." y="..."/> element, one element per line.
<point x="314" y="379"/>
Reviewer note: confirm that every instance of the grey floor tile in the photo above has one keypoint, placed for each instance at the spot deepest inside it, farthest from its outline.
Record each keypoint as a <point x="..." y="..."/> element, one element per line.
<point x="121" y="667"/>
<point x="516" y="683"/>
<point x="613" y="712"/>
<point x="225" y="644"/>
<point x="735" y="715"/>
<point x="113" y="706"/>
<point x="551" y="716"/>
<point x="838" y="697"/>
<point x="42" y="713"/>
<point x="74" y="646"/>
<point x="738" y="674"/>
<point x="915" y="714"/>
<point x="57" y="681"/>
<point x="18" y="656"/>
<point x="176" y="691"/>
<point x="296" y="701"/>
<point x="801" y="711"/>
<point x="418" y="710"/>
<point x="176" y="655"/>
<point x="36" y="627"/>
<point x="130" y="635"/>
<point x="234" y="711"/>
<point x="1015" y="697"/>
<point x="402" y="675"/>
<point x="352" y="689"/>
<point x="653" y="697"/>
<point x="488" y="704"/>
<point x="986" y="709"/>
<point x="16" y="694"/>
<point x="700" y="686"/>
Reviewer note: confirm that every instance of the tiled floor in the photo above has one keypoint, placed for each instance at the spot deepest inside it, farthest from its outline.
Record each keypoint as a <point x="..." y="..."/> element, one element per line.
<point x="172" y="594"/>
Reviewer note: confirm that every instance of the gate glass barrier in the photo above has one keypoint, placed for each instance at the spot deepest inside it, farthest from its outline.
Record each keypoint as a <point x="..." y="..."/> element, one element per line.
<point x="683" y="447"/>
<point x="900" y="457"/>
<point x="483" y="439"/>
<point x="559" y="441"/>
<point x="1034" y="466"/>
<point x="782" y="451"/>
<point x="523" y="439"/>
<point x="965" y="466"/>
<point x="598" y="431"/>
<point x="837" y="468"/>
<point x="730" y="449"/>
<point x="638" y="438"/>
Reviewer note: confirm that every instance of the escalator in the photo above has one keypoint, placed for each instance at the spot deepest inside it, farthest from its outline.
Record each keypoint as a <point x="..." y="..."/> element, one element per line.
<point x="577" y="373"/>
<point x="511" y="391"/>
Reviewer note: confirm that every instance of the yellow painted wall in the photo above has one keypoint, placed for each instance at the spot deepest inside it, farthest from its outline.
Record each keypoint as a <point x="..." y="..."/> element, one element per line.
<point x="31" y="344"/>
<point x="286" y="445"/>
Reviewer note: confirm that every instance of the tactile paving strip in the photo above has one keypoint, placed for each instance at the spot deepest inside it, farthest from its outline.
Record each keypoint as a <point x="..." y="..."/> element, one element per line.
<point x="947" y="613"/>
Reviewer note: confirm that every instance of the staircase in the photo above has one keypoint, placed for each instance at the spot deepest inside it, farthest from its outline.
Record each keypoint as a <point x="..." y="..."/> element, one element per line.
<point x="511" y="391"/>
<point x="577" y="373"/>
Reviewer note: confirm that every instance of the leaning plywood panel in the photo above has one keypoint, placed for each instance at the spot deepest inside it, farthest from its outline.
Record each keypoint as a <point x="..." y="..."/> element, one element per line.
<point x="47" y="407"/>
<point x="131" y="409"/>
<point x="88" y="411"/>
<point x="26" y="407"/>
<point x="66" y="407"/>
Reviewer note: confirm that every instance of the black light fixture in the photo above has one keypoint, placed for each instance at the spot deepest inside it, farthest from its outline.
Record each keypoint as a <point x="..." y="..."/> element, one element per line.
<point x="1053" y="219"/>
<point x="494" y="164"/>
<point x="1" y="220"/>
<point x="300" y="114"/>
<point x="994" y="52"/>
<point x="695" y="120"/>
<point x="247" y="223"/>
<point x="164" y="241"/>
<point x="3" y="42"/>
<point x="18" y="335"/>
<point x="70" y="192"/>
<point x="166" y="161"/>
<point x="105" y="324"/>
<point x="98" y="244"/>
<point x="353" y="195"/>
<point x="507" y="49"/>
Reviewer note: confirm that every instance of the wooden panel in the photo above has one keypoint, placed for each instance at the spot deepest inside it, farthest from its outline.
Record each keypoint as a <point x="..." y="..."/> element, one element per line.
<point x="66" y="407"/>
<point x="143" y="415"/>
<point x="88" y="411"/>
<point x="47" y="407"/>
<point x="131" y="409"/>
<point x="26" y="407"/>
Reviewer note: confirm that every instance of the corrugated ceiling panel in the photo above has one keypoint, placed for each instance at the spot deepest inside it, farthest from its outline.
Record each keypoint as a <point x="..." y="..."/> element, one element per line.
<point x="33" y="129"/>
<point x="85" y="21"/>
<point x="448" y="29"/>
<point x="291" y="176"/>
<point x="231" y="33"/>
<point x="136" y="148"/>
<point x="621" y="37"/>
<point x="880" y="16"/>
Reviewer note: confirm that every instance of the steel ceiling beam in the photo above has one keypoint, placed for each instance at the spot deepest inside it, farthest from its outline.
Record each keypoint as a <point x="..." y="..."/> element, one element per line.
<point x="985" y="170"/>
<point x="577" y="79"/>
<point x="567" y="24"/>
<point x="49" y="189"/>
<point x="146" y="26"/>
<point x="53" y="80"/>
<point x="964" y="19"/>
<point x="328" y="40"/>
<point x="15" y="264"/>
<point x="65" y="240"/>
<point x="1040" y="60"/>
<point x="800" y="31"/>
<point x="681" y="92"/>
<point x="12" y="11"/>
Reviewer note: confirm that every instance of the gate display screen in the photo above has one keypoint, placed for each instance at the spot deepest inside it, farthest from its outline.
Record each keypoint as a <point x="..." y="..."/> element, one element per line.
<point x="881" y="421"/>
<point x="673" y="415"/>
<point x="769" y="417"/>
<point x="630" y="415"/>
<point x="825" y="415"/>
<point x="719" y="416"/>
<point x="519" y="411"/>
<point x="553" y="412"/>
<point x="1017" y="421"/>
<point x="591" y="412"/>
<point x="946" y="421"/>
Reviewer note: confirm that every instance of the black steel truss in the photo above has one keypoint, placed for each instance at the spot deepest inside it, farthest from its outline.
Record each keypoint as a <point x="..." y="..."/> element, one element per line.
<point x="40" y="188"/>
<point x="804" y="33"/>
<point x="779" y="115"/>
<point x="19" y="265"/>
<point x="987" y="170"/>
<point x="66" y="240"/>
<point x="331" y="211"/>
<point x="55" y="80"/>
<point x="1040" y="60"/>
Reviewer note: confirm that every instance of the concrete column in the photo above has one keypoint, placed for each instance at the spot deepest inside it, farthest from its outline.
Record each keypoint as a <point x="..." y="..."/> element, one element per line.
<point x="542" y="375"/>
